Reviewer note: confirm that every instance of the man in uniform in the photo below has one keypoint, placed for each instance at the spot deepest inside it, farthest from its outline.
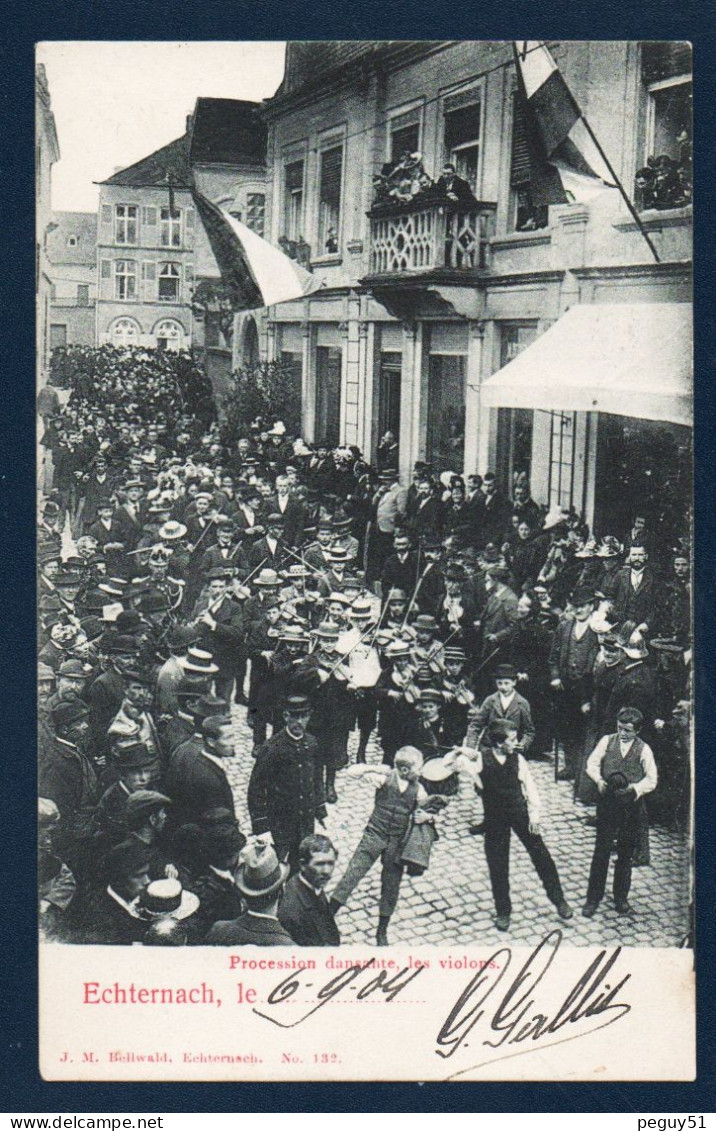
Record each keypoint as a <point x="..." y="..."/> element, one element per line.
<point x="285" y="795"/>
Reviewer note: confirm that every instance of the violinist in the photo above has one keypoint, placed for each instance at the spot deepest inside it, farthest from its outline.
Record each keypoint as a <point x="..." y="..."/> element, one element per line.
<point x="458" y="612"/>
<point x="428" y="734"/>
<point x="323" y="677"/>
<point x="427" y="650"/>
<point x="219" y="621"/>
<point x="457" y="696"/>
<point x="396" y="610"/>
<point x="261" y="642"/>
<point x="220" y="554"/>
<point x="361" y="655"/>
<point x="396" y="695"/>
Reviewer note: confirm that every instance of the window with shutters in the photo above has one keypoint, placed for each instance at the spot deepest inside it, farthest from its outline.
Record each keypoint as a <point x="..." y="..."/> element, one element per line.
<point x="666" y="179"/>
<point x="83" y="294"/>
<point x="170" y="227"/>
<point x="125" y="223"/>
<point x="169" y="278"/>
<point x="461" y="135"/>
<point x="525" y="215"/>
<point x="404" y="132"/>
<point x="256" y="212"/>
<point x="329" y="199"/>
<point x="293" y="200"/>
<point x="125" y="280"/>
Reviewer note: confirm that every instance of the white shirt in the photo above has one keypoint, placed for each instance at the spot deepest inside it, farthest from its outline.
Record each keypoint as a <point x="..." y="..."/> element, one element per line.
<point x="580" y="627"/>
<point x="647" y="783"/>
<point x="505" y="700"/>
<point x="636" y="577"/>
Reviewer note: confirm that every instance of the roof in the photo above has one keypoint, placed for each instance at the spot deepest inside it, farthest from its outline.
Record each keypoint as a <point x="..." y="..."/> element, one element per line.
<point x="169" y="162"/>
<point x="81" y="225"/>
<point x="629" y="359"/>
<point x="227" y="131"/>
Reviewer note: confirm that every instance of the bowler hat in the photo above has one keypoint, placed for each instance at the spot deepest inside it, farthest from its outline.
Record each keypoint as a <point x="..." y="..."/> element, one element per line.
<point x="74" y="669"/>
<point x="44" y="673"/>
<point x="261" y="872"/>
<point x="499" y="572"/>
<point x="92" y="627"/>
<point x="126" y="859"/>
<point x="133" y="756"/>
<point x="582" y="595"/>
<point x="505" y="671"/>
<point x="181" y="637"/>
<point x="68" y="711"/>
<point x="154" y="602"/>
<point x="274" y="519"/>
<point x="204" y="706"/>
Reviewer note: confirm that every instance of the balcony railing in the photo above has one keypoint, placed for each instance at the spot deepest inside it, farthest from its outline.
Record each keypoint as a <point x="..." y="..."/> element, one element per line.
<point x="421" y="237"/>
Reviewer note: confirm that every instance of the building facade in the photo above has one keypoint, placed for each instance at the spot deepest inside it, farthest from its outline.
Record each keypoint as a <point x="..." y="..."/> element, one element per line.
<point x="47" y="152"/>
<point x="72" y="256"/>
<point x="152" y="252"/>
<point x="423" y="303"/>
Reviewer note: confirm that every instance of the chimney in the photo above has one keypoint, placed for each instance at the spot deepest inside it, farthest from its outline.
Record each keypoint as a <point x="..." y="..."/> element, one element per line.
<point x="189" y="122"/>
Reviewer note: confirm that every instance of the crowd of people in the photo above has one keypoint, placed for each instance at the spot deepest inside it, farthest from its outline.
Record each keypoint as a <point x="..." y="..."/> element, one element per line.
<point x="183" y="587"/>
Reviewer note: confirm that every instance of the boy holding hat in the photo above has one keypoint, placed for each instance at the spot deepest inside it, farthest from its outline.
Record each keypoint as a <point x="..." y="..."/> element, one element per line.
<point x="623" y="769"/>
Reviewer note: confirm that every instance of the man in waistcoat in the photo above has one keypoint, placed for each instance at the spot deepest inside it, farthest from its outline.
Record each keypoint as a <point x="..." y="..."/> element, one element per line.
<point x="623" y="769"/>
<point x="512" y="804"/>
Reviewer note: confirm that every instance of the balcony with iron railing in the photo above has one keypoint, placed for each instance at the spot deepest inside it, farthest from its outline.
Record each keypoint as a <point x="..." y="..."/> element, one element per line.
<point x="430" y="235"/>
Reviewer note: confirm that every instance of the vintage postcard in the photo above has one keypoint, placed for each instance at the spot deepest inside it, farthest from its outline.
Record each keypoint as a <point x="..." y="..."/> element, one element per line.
<point x="364" y="417"/>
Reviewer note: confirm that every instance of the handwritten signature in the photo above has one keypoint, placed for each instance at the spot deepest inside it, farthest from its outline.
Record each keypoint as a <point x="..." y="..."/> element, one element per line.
<point x="497" y="1009"/>
<point x="514" y="1016"/>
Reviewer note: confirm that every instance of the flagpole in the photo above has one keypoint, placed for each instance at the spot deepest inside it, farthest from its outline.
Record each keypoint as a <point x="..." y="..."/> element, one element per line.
<point x="622" y="190"/>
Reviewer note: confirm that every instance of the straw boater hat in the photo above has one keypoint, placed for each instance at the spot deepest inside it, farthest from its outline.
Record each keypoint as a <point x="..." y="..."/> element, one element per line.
<point x="197" y="660"/>
<point x="167" y="898"/>
<point x="172" y="531"/>
<point x="327" y="630"/>
<point x="268" y="579"/>
<point x="339" y="598"/>
<point x="294" y="632"/>
<point x="361" y="610"/>
<point x="397" y="649"/>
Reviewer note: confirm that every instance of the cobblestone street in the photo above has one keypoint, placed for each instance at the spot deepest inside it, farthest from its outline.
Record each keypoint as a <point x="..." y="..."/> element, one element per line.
<point x="451" y="904"/>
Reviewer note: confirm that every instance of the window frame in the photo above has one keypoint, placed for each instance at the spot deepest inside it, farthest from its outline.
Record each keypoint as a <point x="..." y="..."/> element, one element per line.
<point x="117" y="275"/>
<point x="126" y="220"/>
<point x="328" y="141"/>
<point x="415" y="105"/>
<point x="652" y="88"/>
<point x="170" y="224"/>
<point x="474" y="92"/>
<point x="290" y="195"/>
<point x="172" y="271"/>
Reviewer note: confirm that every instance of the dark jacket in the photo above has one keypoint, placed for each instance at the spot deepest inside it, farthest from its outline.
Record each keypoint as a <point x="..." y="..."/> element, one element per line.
<point x="285" y="794"/>
<point x="558" y="659"/>
<point x="248" y="930"/>
<point x="640" y="606"/>
<point x="226" y="641"/>
<point x="196" y="784"/>
<point x="306" y="916"/>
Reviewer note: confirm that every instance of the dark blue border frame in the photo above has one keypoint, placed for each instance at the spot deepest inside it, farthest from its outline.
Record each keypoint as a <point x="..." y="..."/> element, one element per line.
<point x="22" y="1089"/>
